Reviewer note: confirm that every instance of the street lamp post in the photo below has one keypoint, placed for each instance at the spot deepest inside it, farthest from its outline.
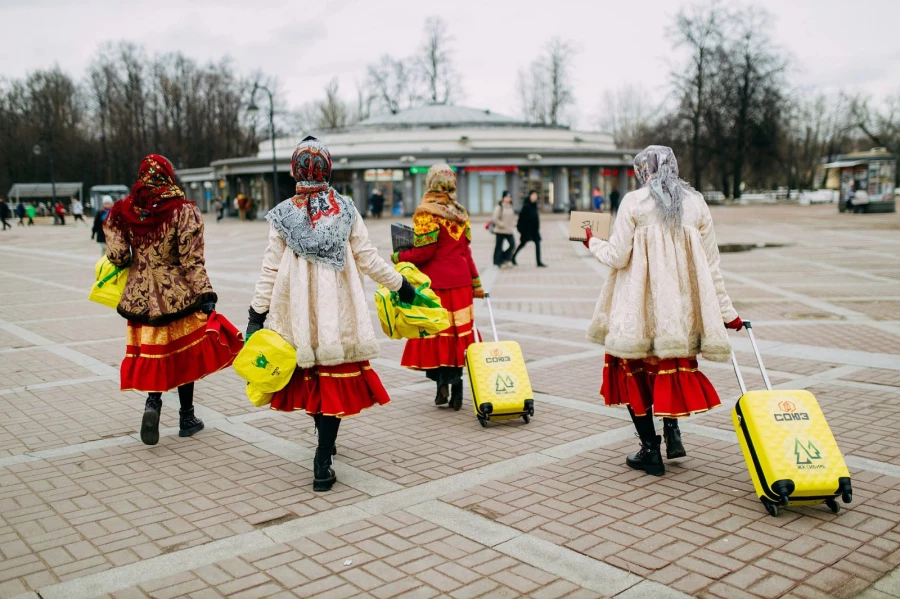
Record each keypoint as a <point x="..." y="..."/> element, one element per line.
<point x="254" y="109"/>
<point x="37" y="152"/>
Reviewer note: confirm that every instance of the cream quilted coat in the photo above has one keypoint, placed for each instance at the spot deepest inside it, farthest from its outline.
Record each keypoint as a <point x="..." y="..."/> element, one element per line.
<point x="665" y="295"/>
<point x="323" y="312"/>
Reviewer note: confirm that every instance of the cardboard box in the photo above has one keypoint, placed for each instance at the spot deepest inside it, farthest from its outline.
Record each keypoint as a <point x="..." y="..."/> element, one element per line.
<point x="599" y="222"/>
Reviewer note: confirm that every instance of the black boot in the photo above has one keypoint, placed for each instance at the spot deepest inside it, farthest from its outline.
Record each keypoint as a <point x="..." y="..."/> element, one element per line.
<point x="316" y="418"/>
<point x="323" y="475"/>
<point x="456" y="396"/>
<point x="443" y="392"/>
<point x="150" y="422"/>
<point x="674" y="448"/>
<point x="188" y="424"/>
<point x="648" y="458"/>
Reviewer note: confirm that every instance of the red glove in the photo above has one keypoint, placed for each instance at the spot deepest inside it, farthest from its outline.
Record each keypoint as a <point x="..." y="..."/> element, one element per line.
<point x="588" y="236"/>
<point x="737" y="324"/>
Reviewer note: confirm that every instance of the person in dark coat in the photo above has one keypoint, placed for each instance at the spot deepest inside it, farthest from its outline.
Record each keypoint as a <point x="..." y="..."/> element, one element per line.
<point x="377" y="203"/>
<point x="529" y="227"/>
<point x="5" y="213"/>
<point x="614" y="198"/>
<point x="100" y="218"/>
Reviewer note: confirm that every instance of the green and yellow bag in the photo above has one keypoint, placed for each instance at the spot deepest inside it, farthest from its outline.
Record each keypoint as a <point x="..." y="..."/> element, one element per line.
<point x="110" y="283"/>
<point x="267" y="362"/>
<point x="424" y="317"/>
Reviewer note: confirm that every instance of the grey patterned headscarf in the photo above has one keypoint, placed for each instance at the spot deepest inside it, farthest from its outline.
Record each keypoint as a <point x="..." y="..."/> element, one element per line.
<point x="657" y="170"/>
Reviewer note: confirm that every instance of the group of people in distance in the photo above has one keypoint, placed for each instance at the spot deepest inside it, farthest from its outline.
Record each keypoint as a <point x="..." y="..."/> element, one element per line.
<point x="663" y="304"/>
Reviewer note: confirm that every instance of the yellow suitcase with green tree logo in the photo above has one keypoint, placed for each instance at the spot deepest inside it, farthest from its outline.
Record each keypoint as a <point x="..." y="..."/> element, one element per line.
<point x="790" y="451"/>
<point x="498" y="378"/>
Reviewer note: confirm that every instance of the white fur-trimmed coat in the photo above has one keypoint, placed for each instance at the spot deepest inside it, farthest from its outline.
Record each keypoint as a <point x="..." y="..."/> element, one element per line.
<point x="665" y="295"/>
<point x="323" y="313"/>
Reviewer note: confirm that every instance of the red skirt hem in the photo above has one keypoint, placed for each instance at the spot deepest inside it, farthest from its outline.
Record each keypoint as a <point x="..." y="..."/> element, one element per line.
<point x="342" y="391"/>
<point x="671" y="388"/>
<point x="447" y="348"/>
<point x="209" y="347"/>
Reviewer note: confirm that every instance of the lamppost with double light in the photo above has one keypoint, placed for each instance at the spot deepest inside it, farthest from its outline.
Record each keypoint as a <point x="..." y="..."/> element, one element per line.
<point x="253" y="109"/>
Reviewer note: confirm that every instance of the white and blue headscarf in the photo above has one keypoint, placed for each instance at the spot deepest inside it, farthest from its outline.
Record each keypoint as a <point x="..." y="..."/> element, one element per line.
<point x="657" y="170"/>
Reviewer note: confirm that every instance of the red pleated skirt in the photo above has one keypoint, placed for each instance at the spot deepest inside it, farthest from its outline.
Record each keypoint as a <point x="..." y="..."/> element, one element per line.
<point x="159" y="359"/>
<point x="341" y="391"/>
<point x="447" y="348"/>
<point x="673" y="387"/>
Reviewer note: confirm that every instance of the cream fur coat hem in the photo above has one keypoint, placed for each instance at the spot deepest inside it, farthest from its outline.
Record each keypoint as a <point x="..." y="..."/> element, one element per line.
<point x="665" y="295"/>
<point x="323" y="313"/>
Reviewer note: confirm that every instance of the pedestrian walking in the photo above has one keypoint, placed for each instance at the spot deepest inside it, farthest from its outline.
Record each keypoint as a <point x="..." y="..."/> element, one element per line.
<point x="174" y="337"/>
<point x="20" y="213"/>
<point x="5" y="213"/>
<point x="441" y="250"/>
<point x="99" y="219"/>
<point x="78" y="211"/>
<point x="529" y="226"/>
<point x="60" y="212"/>
<point x="220" y="210"/>
<point x="311" y="292"/>
<point x="663" y="303"/>
<point x="504" y="223"/>
<point x="30" y="211"/>
<point x="598" y="200"/>
<point x="614" y="197"/>
<point x="376" y="201"/>
<point x="243" y="205"/>
<point x="860" y="200"/>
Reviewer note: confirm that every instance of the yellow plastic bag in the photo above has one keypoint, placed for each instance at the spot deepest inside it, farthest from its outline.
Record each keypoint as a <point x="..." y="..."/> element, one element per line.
<point x="110" y="283"/>
<point x="258" y="398"/>
<point x="267" y="361"/>
<point x="424" y="317"/>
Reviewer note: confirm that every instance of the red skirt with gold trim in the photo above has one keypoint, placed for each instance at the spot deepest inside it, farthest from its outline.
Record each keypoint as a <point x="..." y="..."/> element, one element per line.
<point x="161" y="358"/>
<point x="672" y="387"/>
<point x="341" y="391"/>
<point x="447" y="348"/>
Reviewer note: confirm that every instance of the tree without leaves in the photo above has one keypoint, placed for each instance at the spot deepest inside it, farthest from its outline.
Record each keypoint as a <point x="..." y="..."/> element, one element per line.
<point x="626" y="114"/>
<point x="394" y="84"/>
<point x="545" y="89"/>
<point x="435" y="63"/>
<point x="699" y="31"/>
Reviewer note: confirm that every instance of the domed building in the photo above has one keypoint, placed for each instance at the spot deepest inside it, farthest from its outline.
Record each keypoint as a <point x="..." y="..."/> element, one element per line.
<point x="490" y="152"/>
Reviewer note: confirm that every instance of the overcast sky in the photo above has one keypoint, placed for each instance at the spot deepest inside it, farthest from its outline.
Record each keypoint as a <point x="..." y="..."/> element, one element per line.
<point x="834" y="44"/>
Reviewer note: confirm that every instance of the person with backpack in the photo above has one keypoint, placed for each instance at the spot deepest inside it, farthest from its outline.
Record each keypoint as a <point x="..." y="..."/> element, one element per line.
<point x="20" y="213"/>
<point x="529" y="226"/>
<point x="503" y="222"/>
<point x="30" y="212"/>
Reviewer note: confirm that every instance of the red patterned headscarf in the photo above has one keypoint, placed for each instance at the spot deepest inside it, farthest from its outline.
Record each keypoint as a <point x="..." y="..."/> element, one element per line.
<point x="154" y="198"/>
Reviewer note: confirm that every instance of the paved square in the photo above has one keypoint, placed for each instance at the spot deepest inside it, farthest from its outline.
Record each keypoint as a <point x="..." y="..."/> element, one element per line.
<point x="428" y="503"/>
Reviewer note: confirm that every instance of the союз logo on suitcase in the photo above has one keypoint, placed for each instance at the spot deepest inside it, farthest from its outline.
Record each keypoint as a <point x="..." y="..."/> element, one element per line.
<point x="789" y="412"/>
<point x="802" y="450"/>
<point x="504" y="383"/>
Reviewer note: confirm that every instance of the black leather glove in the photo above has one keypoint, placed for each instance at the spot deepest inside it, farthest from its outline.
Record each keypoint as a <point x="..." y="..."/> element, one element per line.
<point x="407" y="292"/>
<point x="208" y="307"/>
<point x="255" y="322"/>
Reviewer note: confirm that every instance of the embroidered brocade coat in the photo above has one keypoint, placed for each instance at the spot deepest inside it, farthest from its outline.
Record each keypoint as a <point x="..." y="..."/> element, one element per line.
<point x="168" y="279"/>
<point x="665" y="295"/>
<point x="442" y="251"/>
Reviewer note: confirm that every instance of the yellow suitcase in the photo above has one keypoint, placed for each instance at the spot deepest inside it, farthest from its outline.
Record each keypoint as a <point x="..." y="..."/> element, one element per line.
<point x="790" y="451"/>
<point x="498" y="378"/>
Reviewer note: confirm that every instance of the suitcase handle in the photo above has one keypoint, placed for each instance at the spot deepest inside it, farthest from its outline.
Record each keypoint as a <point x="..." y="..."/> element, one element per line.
<point x="762" y="368"/>
<point x="487" y="298"/>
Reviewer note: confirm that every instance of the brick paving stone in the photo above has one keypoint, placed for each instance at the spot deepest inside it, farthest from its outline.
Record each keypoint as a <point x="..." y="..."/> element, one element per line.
<point x="699" y="529"/>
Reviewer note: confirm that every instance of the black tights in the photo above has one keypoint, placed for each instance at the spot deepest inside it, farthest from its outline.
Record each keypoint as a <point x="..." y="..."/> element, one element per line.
<point x="328" y="431"/>
<point x="185" y="396"/>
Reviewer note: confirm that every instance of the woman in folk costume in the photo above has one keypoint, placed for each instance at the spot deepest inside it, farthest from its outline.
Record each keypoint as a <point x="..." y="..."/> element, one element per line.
<point x="174" y="336"/>
<point x="310" y="292"/>
<point x="663" y="303"/>
<point x="441" y="251"/>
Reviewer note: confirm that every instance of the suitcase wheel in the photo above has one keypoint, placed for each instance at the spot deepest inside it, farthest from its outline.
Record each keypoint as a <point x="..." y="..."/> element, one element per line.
<point x="482" y="421"/>
<point x="847" y="496"/>
<point x="526" y="418"/>
<point x="771" y="507"/>
<point x="833" y="505"/>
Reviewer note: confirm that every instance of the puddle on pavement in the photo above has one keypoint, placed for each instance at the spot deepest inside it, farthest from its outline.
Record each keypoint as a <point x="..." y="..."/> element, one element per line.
<point x="813" y="316"/>
<point x="731" y="248"/>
